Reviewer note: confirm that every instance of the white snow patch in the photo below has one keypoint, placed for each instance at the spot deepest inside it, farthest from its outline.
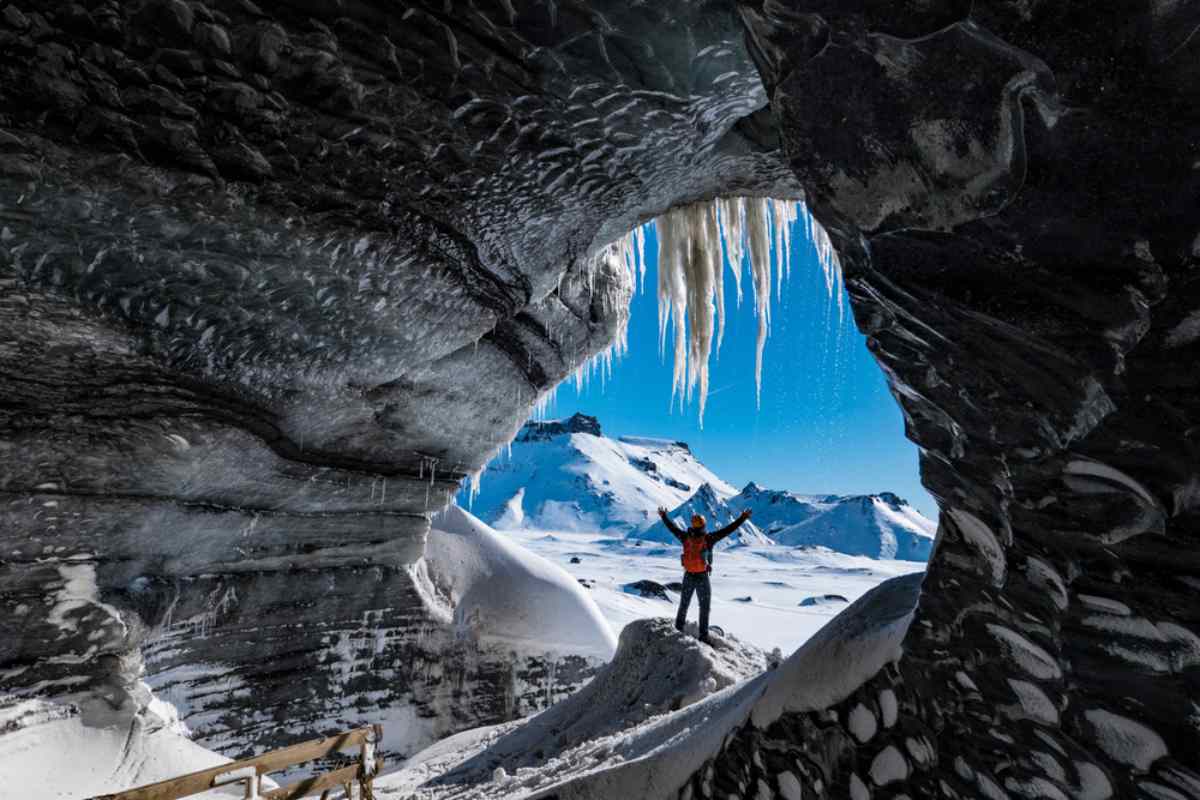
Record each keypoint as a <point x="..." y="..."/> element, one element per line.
<point x="858" y="789"/>
<point x="1093" y="782"/>
<point x="862" y="723"/>
<point x="888" y="707"/>
<point x="888" y="766"/>
<point x="1033" y="702"/>
<point x="789" y="786"/>
<point x="1124" y="740"/>
<point x="980" y="538"/>
<point x="1105" y="605"/>
<point x="1028" y="656"/>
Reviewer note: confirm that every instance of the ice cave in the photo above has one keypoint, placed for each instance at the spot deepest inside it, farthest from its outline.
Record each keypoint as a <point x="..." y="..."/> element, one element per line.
<point x="277" y="278"/>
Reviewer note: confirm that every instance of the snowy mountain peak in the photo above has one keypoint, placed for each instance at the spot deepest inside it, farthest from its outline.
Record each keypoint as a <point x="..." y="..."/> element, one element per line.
<point x="567" y="475"/>
<point x="541" y="431"/>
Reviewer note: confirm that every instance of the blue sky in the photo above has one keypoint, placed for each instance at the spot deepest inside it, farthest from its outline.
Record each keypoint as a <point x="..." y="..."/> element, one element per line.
<point x="827" y="423"/>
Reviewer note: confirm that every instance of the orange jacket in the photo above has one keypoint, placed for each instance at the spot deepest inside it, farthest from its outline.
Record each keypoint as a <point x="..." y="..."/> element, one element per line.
<point x="697" y="543"/>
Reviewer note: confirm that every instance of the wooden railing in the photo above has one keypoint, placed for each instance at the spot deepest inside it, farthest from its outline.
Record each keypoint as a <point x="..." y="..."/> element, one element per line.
<point x="249" y="771"/>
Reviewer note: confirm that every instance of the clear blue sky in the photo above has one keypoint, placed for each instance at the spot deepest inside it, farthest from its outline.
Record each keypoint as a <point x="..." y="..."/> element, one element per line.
<point x="827" y="425"/>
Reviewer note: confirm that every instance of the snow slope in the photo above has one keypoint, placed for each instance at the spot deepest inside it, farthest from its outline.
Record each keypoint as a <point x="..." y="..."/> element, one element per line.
<point x="710" y="504"/>
<point x="877" y="526"/>
<point x="110" y="752"/>
<point x="566" y="475"/>
<point x="656" y="670"/>
<point x="503" y="594"/>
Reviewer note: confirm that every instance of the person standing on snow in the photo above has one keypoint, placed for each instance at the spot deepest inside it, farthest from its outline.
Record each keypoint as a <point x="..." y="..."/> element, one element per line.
<point x="697" y="564"/>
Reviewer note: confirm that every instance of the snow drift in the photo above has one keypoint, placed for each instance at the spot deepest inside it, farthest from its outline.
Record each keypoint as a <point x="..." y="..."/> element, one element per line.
<point x="501" y="594"/>
<point x="656" y="670"/>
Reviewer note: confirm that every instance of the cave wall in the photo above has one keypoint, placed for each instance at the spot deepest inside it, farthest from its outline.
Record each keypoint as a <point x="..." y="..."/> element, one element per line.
<point x="1014" y="196"/>
<point x="273" y="280"/>
<point x="254" y="260"/>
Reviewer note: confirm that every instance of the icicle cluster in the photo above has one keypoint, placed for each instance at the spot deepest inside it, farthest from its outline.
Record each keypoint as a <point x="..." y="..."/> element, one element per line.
<point x="694" y="243"/>
<point x="691" y="293"/>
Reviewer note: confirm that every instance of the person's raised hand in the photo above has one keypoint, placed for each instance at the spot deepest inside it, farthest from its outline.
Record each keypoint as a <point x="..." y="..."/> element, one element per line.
<point x="662" y="512"/>
<point x="747" y="514"/>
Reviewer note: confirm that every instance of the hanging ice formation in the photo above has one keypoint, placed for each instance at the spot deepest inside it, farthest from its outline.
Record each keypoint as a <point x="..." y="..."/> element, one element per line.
<point x="694" y="242"/>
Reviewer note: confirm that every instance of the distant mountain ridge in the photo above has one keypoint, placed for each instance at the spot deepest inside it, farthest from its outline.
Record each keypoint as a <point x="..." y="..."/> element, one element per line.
<point x="876" y="525"/>
<point x="567" y="475"/>
<point x="716" y="511"/>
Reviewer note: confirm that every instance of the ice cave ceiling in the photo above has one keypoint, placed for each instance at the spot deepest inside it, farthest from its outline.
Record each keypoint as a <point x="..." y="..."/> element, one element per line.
<point x="274" y="278"/>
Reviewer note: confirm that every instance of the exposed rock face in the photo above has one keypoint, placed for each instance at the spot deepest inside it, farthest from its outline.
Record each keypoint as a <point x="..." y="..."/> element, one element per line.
<point x="272" y="280"/>
<point x="576" y="423"/>
<point x="261" y="270"/>
<point x="1013" y="192"/>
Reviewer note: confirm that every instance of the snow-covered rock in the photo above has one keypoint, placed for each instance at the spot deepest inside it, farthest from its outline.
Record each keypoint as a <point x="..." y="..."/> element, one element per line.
<point x="567" y="475"/>
<point x="656" y="671"/>
<point x="709" y="503"/>
<point x="877" y="525"/>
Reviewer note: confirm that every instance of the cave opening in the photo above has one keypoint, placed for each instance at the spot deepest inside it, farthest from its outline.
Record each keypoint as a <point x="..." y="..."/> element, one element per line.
<point x="736" y="380"/>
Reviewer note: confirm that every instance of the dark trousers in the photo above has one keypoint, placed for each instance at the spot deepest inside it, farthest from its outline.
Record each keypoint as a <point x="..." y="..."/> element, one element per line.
<point x="695" y="582"/>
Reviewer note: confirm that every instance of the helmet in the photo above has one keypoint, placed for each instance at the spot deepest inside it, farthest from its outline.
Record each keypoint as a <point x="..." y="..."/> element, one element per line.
<point x="697" y="520"/>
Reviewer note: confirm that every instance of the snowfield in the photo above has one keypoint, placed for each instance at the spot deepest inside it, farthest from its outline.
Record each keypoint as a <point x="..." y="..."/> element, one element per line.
<point x="776" y="579"/>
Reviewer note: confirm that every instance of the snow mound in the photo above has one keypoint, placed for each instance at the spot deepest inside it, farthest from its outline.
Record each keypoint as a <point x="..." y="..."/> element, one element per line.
<point x="503" y="594"/>
<point x="656" y="670"/>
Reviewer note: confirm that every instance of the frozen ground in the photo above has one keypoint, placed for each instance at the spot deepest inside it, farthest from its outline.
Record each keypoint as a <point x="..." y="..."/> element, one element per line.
<point x="775" y="578"/>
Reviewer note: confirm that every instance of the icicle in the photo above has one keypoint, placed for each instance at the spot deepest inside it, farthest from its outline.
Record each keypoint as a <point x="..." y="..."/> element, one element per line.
<point x="689" y="280"/>
<point x="691" y="288"/>
<point x="733" y="234"/>
<point x="759" y="249"/>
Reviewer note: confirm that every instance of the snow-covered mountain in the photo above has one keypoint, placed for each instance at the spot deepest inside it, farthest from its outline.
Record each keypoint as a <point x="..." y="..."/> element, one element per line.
<point x="567" y="475"/>
<point x="876" y="525"/>
<point x="713" y="506"/>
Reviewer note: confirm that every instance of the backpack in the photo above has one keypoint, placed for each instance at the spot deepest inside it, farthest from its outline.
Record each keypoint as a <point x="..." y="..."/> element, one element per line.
<point x="697" y="555"/>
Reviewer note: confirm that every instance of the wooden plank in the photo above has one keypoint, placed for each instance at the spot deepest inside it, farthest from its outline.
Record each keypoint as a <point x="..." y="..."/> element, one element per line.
<point x="197" y="782"/>
<point x="317" y="783"/>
